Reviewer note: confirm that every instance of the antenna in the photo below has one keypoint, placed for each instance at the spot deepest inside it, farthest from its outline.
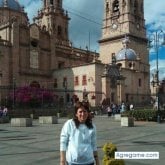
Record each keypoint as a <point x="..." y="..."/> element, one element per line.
<point x="89" y="40"/>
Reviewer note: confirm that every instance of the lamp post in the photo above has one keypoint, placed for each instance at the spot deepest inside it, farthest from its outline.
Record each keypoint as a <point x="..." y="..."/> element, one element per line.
<point x="156" y="36"/>
<point x="65" y="87"/>
<point x="13" y="93"/>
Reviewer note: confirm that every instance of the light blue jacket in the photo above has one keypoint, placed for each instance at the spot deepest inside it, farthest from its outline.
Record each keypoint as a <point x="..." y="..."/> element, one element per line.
<point x="79" y="144"/>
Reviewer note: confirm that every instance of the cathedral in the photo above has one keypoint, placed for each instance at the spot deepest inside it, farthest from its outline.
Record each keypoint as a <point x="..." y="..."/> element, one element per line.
<point x="41" y="52"/>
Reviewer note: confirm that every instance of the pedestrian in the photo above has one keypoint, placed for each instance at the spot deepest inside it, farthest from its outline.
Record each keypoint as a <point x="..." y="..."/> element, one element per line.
<point x="5" y="111"/>
<point x="109" y="111"/>
<point x="78" y="141"/>
<point x="1" y="112"/>
<point x="122" y="107"/>
<point x="131" y="107"/>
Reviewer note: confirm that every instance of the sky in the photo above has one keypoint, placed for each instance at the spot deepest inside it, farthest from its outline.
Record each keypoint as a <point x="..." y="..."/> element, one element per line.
<point x="86" y="23"/>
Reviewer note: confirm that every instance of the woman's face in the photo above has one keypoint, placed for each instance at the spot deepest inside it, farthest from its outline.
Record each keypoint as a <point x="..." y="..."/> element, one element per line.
<point x="82" y="115"/>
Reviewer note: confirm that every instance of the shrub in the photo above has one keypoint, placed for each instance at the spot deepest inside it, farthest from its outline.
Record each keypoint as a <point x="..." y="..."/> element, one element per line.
<point x="142" y="114"/>
<point x="109" y="155"/>
<point x="28" y="96"/>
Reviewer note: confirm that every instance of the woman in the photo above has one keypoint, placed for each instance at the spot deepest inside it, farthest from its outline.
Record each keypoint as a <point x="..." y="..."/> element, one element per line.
<point x="78" y="139"/>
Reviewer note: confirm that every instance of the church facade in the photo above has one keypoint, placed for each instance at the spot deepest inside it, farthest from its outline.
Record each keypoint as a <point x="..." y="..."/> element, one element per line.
<point x="42" y="52"/>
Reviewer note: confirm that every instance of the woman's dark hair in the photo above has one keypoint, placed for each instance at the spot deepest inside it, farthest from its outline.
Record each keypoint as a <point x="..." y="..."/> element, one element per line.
<point x="88" y="121"/>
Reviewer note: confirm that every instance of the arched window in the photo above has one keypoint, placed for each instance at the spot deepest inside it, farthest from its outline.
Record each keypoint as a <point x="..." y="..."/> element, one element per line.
<point x="124" y="3"/>
<point x="51" y="2"/>
<point x="142" y="10"/>
<point x="35" y="84"/>
<point x="44" y="3"/>
<point x="107" y="7"/>
<point x="135" y="7"/>
<point x="116" y="6"/>
<point x="130" y="65"/>
<point x="59" y="30"/>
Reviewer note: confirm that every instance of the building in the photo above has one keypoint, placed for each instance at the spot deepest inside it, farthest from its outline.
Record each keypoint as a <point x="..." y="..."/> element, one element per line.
<point x="30" y="52"/>
<point x="125" y="19"/>
<point x="41" y="52"/>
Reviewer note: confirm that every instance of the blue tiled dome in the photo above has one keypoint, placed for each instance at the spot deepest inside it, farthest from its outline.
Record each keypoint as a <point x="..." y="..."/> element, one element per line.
<point x="126" y="54"/>
<point x="12" y="4"/>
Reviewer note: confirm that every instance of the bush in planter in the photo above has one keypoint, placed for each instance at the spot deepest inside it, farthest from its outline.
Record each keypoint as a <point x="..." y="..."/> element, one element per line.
<point x="141" y="114"/>
<point x="109" y="155"/>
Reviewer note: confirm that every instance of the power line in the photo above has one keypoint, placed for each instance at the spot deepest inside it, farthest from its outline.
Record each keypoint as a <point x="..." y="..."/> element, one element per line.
<point x="87" y="19"/>
<point x="79" y="14"/>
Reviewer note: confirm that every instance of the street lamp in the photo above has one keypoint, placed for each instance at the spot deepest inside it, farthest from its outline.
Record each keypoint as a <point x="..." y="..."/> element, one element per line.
<point x="155" y="39"/>
<point x="13" y="93"/>
<point x="65" y="85"/>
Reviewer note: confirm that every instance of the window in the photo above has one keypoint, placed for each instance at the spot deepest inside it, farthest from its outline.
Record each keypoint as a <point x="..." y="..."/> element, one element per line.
<point x="127" y="97"/>
<point x="142" y="10"/>
<point x="65" y="84"/>
<point x="84" y="80"/>
<point x="51" y="2"/>
<point x="130" y="65"/>
<point x="135" y="7"/>
<point x="58" y="3"/>
<point x="55" y="83"/>
<point x="34" y="43"/>
<point x="112" y="97"/>
<point x="113" y="58"/>
<point x="107" y="7"/>
<point x="61" y="64"/>
<point x="140" y="82"/>
<point x="59" y="30"/>
<point x="34" y="59"/>
<point x="116" y="6"/>
<point x="76" y="81"/>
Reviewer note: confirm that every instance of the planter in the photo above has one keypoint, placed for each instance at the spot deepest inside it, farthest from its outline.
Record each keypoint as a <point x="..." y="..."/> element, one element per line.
<point x="21" y="122"/>
<point x="48" y="120"/>
<point x="117" y="117"/>
<point x="127" y="121"/>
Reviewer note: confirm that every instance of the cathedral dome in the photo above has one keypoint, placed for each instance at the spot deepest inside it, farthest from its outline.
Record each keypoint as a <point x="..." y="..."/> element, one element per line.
<point x="126" y="54"/>
<point x="12" y="4"/>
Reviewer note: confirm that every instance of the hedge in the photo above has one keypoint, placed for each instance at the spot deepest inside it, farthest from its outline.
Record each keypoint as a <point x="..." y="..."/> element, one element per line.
<point x="145" y="114"/>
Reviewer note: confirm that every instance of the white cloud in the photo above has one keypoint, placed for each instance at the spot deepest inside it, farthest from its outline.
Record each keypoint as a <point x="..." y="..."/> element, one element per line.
<point x="154" y="16"/>
<point x="154" y="13"/>
<point x="86" y="21"/>
<point x="31" y="7"/>
<point x="161" y="68"/>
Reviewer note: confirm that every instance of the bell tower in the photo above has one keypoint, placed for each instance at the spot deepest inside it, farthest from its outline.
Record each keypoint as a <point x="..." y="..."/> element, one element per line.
<point x="54" y="19"/>
<point x="121" y="18"/>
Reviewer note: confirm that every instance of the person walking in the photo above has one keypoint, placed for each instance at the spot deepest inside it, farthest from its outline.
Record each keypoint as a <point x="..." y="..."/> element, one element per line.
<point x="78" y="141"/>
<point x="109" y="111"/>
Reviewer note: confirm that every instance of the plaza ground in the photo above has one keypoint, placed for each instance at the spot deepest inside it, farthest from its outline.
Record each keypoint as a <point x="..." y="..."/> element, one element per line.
<point x="39" y="145"/>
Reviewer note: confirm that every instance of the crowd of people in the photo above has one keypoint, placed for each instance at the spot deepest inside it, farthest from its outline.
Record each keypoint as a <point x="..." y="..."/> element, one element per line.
<point x="113" y="109"/>
<point x="3" y="111"/>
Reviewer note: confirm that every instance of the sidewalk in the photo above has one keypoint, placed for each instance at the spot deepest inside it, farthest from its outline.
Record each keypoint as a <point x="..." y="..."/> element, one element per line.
<point x="39" y="145"/>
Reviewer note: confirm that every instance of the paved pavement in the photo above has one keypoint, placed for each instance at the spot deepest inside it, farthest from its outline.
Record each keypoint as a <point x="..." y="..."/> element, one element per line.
<point x="39" y="145"/>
